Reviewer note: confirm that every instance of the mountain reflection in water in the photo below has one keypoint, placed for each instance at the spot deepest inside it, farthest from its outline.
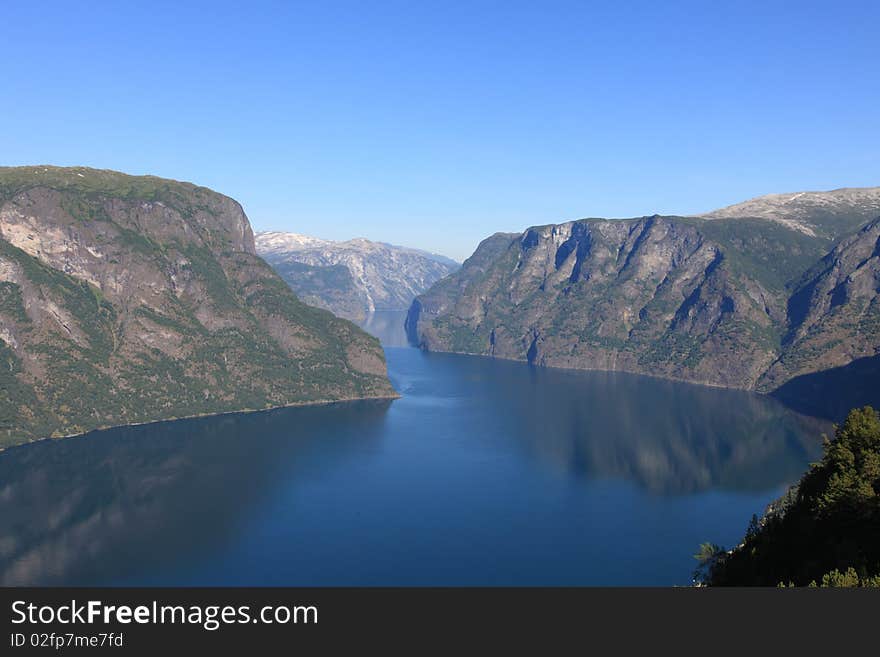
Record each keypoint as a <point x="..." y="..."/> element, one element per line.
<point x="484" y="472"/>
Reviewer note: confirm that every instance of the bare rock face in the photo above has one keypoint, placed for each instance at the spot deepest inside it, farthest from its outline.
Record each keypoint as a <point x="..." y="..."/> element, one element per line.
<point x="130" y="299"/>
<point x="736" y="301"/>
<point x="355" y="277"/>
<point x="834" y="312"/>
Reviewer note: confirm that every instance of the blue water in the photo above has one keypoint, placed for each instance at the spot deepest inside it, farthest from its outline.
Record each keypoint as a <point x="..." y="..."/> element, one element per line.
<point x="484" y="472"/>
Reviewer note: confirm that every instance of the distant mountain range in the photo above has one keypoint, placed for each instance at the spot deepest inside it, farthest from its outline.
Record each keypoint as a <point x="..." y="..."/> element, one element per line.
<point x="129" y="299"/>
<point x="355" y="277"/>
<point x="774" y="294"/>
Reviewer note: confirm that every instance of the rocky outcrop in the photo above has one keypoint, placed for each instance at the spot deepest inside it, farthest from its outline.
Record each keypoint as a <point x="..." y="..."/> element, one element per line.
<point x="722" y="301"/>
<point x="834" y="312"/>
<point x="352" y="278"/>
<point x="131" y="299"/>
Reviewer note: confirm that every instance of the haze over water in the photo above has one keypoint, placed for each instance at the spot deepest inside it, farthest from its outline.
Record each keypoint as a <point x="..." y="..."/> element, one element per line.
<point x="484" y="472"/>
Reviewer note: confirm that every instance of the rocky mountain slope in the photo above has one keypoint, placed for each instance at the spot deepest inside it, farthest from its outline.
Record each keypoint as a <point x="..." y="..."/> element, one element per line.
<point x="739" y="301"/>
<point x="834" y="312"/>
<point x="355" y="277"/>
<point x="822" y="214"/>
<point x="130" y="299"/>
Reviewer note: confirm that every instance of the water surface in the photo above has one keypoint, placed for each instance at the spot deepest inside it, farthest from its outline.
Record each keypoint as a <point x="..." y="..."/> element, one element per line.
<point x="484" y="472"/>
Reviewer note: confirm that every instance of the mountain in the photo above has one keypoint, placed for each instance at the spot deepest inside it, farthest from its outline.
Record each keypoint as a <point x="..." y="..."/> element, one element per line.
<point x="831" y="359"/>
<point x="352" y="278"/>
<point x="130" y="299"/>
<point x="834" y="312"/>
<point x="821" y="214"/>
<point x="727" y="300"/>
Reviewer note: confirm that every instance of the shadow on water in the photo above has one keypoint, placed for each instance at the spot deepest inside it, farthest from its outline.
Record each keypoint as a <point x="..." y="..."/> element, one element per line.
<point x="89" y="509"/>
<point x="833" y="393"/>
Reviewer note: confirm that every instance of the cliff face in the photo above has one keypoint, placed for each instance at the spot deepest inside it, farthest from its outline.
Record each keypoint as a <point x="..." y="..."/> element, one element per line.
<point x="355" y="277"/>
<point x="834" y="312"/>
<point x="713" y="301"/>
<point x="131" y="299"/>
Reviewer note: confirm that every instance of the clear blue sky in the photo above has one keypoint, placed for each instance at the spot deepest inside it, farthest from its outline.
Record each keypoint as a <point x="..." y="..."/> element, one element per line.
<point x="436" y="124"/>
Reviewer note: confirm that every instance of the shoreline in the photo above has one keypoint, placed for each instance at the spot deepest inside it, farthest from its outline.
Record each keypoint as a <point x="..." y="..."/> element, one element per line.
<point x="196" y="416"/>
<point x="658" y="377"/>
